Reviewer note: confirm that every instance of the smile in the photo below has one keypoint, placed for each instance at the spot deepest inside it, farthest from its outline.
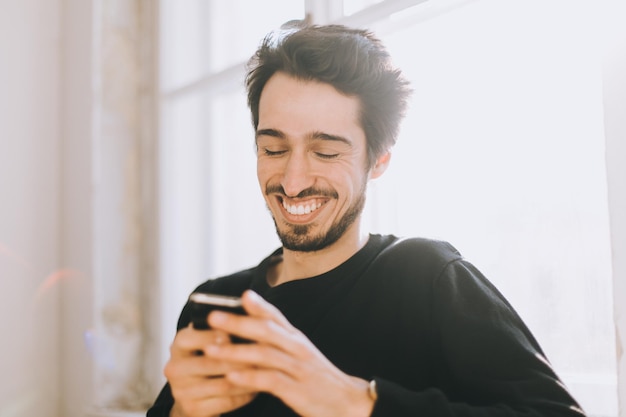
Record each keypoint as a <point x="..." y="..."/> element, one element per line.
<point x="301" y="208"/>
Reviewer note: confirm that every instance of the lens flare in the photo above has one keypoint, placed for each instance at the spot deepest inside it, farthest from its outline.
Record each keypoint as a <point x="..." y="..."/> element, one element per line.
<point x="55" y="278"/>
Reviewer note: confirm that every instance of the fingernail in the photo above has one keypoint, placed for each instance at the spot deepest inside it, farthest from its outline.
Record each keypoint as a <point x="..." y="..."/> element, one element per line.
<point x="217" y="317"/>
<point x="253" y="295"/>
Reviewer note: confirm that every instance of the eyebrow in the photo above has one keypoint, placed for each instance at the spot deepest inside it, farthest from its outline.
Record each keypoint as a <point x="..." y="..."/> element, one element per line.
<point x="269" y="132"/>
<point x="312" y="136"/>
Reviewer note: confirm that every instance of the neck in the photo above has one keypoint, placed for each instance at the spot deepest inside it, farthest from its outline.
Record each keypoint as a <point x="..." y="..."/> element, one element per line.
<point x="300" y="265"/>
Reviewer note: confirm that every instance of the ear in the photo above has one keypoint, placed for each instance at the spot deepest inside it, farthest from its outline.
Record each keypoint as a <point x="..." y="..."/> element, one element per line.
<point x="380" y="166"/>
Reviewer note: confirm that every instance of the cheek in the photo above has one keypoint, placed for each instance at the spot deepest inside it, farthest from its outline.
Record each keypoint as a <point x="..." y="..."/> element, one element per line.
<point x="262" y="172"/>
<point x="352" y="178"/>
<point x="267" y="167"/>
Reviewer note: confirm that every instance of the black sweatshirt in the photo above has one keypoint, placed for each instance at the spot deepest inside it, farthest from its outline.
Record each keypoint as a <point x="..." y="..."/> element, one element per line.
<point x="435" y="334"/>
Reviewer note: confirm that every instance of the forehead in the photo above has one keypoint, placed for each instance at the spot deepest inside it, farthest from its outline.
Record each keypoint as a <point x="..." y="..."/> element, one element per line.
<point x="299" y="107"/>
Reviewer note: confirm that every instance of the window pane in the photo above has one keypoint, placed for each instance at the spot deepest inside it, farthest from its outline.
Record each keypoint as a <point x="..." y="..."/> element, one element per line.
<point x="203" y="36"/>
<point x="183" y="42"/>
<point x="352" y="6"/>
<point x="237" y="26"/>
<point x="183" y="202"/>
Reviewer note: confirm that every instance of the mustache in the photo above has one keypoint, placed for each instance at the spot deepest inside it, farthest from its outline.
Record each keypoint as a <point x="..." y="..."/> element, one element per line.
<point x="307" y="192"/>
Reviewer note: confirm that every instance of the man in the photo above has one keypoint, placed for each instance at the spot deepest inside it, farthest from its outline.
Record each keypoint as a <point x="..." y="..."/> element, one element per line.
<point x="343" y="323"/>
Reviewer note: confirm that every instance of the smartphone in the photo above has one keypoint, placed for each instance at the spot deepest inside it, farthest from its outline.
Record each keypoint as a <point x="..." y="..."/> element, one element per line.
<point x="202" y="304"/>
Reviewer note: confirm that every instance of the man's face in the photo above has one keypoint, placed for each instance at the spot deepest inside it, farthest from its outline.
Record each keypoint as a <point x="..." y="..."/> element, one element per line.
<point x="311" y="161"/>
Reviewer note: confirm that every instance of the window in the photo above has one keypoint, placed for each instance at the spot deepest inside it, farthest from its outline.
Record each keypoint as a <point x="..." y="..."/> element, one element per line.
<point x="502" y="154"/>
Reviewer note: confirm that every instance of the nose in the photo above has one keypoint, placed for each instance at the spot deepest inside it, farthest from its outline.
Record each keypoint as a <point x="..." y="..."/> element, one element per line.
<point x="296" y="175"/>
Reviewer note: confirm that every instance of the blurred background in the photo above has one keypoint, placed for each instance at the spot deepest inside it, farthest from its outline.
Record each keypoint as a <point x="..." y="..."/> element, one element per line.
<point x="127" y="176"/>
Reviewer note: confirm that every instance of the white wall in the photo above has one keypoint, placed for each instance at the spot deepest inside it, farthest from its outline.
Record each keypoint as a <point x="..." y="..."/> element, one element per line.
<point x="29" y="207"/>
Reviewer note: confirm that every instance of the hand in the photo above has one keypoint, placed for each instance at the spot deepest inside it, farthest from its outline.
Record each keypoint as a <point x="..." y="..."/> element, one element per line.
<point x="285" y="363"/>
<point x="197" y="381"/>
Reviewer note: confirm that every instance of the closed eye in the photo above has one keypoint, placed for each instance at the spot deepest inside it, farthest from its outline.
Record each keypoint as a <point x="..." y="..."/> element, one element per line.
<point x="272" y="153"/>
<point x="326" y="155"/>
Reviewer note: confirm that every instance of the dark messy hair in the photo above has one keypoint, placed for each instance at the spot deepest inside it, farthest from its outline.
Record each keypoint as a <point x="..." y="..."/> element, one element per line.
<point x="353" y="61"/>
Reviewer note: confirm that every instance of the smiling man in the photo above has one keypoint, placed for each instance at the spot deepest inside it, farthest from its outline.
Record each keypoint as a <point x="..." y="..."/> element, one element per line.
<point x="341" y="322"/>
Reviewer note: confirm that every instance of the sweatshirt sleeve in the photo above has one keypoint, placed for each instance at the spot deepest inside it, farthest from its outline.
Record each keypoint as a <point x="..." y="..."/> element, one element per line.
<point x="490" y="365"/>
<point x="163" y="404"/>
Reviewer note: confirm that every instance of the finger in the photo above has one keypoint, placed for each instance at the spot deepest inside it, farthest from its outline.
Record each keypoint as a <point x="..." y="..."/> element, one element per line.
<point x="260" y="330"/>
<point x="257" y="306"/>
<point x="203" y="388"/>
<point x="188" y="341"/>
<point x="211" y="406"/>
<point x="261" y="380"/>
<point x="255" y="356"/>
<point x="231" y="402"/>
<point x="177" y="369"/>
<point x="271" y="326"/>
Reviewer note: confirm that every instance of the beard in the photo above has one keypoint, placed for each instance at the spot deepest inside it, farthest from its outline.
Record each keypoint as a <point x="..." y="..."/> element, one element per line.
<point x="298" y="238"/>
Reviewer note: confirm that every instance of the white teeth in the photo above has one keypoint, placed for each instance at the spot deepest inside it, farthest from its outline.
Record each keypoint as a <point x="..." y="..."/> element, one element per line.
<point x="301" y="209"/>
